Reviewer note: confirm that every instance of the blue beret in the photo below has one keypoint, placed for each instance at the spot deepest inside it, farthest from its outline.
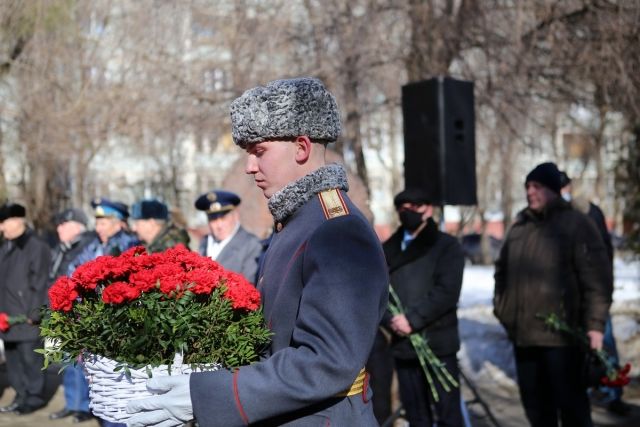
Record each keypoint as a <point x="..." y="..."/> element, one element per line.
<point x="217" y="203"/>
<point x="284" y="109"/>
<point x="106" y="208"/>
<point x="149" y="209"/>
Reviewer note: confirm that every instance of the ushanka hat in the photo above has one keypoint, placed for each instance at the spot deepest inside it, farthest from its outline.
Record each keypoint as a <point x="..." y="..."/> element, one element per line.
<point x="150" y="209"/>
<point x="285" y="109"/>
<point x="12" y="210"/>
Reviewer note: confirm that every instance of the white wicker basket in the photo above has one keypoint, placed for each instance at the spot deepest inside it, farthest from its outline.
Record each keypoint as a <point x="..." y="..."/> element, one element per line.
<point x="109" y="391"/>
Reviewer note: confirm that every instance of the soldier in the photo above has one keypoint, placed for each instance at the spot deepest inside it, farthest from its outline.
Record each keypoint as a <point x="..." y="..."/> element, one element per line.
<point x="24" y="269"/>
<point x="323" y="281"/>
<point x="228" y="243"/>
<point x="152" y="225"/>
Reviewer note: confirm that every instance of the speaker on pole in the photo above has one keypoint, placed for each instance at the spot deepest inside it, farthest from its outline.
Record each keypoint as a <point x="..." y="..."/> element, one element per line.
<point x="439" y="140"/>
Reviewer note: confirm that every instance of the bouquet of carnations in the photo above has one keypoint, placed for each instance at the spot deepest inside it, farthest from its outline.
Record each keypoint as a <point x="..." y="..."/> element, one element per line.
<point x="138" y="314"/>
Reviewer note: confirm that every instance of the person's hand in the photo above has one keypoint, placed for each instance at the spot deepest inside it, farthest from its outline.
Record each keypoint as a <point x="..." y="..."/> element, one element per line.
<point x="171" y="407"/>
<point x="400" y="325"/>
<point x="595" y="339"/>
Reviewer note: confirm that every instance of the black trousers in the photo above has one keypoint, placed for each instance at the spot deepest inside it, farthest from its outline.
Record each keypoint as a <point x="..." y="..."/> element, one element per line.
<point x="24" y="371"/>
<point x="421" y="408"/>
<point x="550" y="386"/>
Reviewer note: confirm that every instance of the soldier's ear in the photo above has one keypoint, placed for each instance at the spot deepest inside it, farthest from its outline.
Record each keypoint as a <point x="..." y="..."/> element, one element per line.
<point x="303" y="148"/>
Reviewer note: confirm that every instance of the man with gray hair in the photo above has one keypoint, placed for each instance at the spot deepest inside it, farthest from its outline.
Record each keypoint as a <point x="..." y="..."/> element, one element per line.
<point x="323" y="281"/>
<point x="71" y="226"/>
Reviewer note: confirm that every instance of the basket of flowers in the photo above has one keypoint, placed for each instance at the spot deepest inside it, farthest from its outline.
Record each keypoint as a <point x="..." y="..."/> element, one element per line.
<point x="137" y="315"/>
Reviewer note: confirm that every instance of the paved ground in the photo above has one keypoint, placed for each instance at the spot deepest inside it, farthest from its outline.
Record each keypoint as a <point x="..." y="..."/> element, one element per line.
<point x="503" y="402"/>
<point x="39" y="418"/>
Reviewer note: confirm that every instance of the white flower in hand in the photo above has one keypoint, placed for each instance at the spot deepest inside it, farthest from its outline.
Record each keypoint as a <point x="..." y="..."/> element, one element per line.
<point x="171" y="407"/>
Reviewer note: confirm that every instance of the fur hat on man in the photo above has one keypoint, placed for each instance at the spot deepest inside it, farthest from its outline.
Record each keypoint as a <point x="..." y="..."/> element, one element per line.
<point x="150" y="209"/>
<point x="546" y="174"/>
<point x="285" y="109"/>
<point x="12" y="210"/>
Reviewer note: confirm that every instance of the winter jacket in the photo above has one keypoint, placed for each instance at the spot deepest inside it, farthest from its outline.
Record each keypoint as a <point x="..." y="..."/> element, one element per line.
<point x="64" y="253"/>
<point x="552" y="262"/>
<point x="24" y="269"/>
<point x="427" y="277"/>
<point x="118" y="243"/>
<point x="168" y="237"/>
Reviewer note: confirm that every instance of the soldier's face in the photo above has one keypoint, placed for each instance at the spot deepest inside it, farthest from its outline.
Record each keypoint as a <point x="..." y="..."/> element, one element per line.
<point x="538" y="196"/>
<point x="272" y="164"/>
<point x="146" y="229"/>
<point x="107" y="227"/>
<point x="223" y="226"/>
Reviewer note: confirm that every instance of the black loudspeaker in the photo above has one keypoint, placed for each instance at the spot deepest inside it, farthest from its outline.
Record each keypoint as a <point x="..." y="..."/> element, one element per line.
<point x="439" y="140"/>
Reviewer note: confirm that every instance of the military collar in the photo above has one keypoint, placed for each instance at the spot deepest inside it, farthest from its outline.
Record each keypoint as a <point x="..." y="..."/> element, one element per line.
<point x="291" y="197"/>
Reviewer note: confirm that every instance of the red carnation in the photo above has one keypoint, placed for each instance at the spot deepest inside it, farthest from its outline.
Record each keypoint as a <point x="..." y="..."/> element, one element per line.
<point x="173" y="285"/>
<point x="242" y="294"/>
<point x="119" y="292"/>
<point x="62" y="294"/>
<point x="4" y="322"/>
<point x="202" y="281"/>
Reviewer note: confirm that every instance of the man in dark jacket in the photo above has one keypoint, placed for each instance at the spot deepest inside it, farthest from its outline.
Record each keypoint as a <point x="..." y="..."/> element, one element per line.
<point x="323" y="281"/>
<point x="552" y="262"/>
<point x="425" y="270"/>
<point x="24" y="268"/>
<point x="71" y="226"/>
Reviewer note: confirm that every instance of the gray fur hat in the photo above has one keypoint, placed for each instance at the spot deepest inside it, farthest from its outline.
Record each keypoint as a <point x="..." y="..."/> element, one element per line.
<point x="284" y="109"/>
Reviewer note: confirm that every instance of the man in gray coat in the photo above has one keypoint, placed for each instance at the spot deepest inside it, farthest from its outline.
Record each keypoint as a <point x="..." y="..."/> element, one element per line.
<point x="24" y="269"/>
<point x="323" y="281"/>
<point x="228" y="243"/>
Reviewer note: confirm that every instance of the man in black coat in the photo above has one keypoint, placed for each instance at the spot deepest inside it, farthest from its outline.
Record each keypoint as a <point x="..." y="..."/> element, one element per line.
<point x="24" y="268"/>
<point x="425" y="270"/>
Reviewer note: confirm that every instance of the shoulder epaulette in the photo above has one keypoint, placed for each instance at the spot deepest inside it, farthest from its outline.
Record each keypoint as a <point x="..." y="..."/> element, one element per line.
<point x="333" y="204"/>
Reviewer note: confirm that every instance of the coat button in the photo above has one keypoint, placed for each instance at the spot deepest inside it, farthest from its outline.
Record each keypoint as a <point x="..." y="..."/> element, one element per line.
<point x="279" y="227"/>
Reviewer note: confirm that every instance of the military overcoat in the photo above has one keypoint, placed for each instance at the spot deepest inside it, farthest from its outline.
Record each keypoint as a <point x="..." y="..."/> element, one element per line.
<point x="324" y="287"/>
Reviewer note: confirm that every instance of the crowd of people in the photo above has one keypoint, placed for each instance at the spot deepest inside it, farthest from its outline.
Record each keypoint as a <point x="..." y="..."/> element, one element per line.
<point x="325" y="280"/>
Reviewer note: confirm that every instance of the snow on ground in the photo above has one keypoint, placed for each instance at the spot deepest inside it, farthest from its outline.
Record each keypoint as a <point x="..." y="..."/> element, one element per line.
<point x="486" y="353"/>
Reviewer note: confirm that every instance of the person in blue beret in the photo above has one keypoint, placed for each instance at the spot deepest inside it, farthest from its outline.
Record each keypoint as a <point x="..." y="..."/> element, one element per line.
<point x="153" y="226"/>
<point x="323" y="281"/>
<point x="228" y="242"/>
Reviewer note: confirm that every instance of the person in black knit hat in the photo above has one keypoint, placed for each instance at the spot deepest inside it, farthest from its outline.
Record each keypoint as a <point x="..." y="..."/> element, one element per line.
<point x="553" y="261"/>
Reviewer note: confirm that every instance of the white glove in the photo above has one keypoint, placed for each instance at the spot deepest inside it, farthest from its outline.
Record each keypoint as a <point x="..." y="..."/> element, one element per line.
<point x="171" y="406"/>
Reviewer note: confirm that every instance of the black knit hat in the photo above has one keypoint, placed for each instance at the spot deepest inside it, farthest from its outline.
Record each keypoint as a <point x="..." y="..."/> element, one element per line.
<point x="12" y="210"/>
<point x="546" y="174"/>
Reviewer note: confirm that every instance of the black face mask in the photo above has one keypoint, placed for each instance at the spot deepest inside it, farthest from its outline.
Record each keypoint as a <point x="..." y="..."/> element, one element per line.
<point x="410" y="220"/>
